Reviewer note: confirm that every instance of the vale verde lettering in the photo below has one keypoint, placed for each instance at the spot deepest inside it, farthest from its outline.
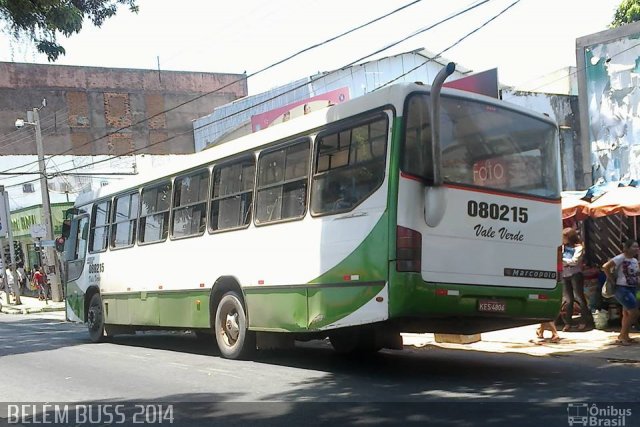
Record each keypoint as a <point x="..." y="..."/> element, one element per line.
<point x="502" y="233"/>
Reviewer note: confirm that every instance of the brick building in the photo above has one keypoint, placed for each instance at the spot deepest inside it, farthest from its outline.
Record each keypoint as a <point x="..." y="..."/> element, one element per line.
<point x="86" y="103"/>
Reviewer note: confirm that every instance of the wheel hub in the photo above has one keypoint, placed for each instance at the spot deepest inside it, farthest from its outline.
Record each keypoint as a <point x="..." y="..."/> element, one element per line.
<point x="232" y="330"/>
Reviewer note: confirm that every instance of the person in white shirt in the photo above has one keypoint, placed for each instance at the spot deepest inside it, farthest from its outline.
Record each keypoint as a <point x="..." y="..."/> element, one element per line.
<point x="10" y="280"/>
<point x="625" y="268"/>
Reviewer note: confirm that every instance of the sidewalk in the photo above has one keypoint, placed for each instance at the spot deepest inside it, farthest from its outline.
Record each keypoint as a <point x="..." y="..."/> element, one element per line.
<point x="29" y="305"/>
<point x="523" y="340"/>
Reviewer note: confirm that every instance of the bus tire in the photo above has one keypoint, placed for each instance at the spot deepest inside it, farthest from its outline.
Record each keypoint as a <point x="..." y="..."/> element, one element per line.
<point x="234" y="339"/>
<point x="95" y="319"/>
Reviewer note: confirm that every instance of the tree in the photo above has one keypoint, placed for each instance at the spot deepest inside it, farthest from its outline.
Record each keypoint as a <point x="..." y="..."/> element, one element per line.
<point x="627" y="12"/>
<point x="40" y="20"/>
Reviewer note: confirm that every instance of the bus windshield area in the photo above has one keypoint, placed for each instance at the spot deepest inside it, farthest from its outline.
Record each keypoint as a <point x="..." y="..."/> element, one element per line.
<point x="483" y="145"/>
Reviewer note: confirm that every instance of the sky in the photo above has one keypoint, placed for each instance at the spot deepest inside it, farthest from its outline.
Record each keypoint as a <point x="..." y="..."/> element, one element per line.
<point x="531" y="39"/>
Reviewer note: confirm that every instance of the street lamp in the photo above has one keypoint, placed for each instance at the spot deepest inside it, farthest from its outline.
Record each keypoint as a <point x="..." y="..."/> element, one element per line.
<point x="56" y="288"/>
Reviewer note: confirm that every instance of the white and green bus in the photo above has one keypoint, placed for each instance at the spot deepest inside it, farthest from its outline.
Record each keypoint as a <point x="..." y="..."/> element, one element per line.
<point x="346" y="223"/>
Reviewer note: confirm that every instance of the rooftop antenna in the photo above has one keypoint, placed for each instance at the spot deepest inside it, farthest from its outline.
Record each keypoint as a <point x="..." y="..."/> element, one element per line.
<point x="159" y="76"/>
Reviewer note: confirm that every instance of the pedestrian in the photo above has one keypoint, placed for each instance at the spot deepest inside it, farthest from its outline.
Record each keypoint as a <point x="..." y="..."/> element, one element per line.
<point x="623" y="270"/>
<point x="22" y="276"/>
<point x="10" y="281"/>
<point x="39" y="281"/>
<point x="572" y="252"/>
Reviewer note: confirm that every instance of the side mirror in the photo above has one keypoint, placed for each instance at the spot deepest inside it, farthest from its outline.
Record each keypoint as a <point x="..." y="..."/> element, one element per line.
<point x="66" y="229"/>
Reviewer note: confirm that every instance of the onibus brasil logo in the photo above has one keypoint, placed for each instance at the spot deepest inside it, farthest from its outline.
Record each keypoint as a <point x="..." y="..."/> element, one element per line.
<point x="593" y="415"/>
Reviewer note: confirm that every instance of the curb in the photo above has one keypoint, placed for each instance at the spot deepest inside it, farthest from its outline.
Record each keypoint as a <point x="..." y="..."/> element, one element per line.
<point x="28" y="310"/>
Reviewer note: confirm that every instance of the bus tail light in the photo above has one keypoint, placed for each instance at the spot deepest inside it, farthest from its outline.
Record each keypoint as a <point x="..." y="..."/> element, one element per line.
<point x="408" y="250"/>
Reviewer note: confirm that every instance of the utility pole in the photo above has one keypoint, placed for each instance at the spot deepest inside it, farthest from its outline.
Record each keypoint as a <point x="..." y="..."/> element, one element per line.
<point x="5" y="227"/>
<point x="51" y="270"/>
<point x="12" y="252"/>
<point x="5" y="282"/>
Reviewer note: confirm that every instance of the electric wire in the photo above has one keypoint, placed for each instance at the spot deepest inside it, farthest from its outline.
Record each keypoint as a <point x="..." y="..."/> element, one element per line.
<point x="571" y="73"/>
<point x="452" y="45"/>
<point x="331" y="39"/>
<point x="473" y="6"/>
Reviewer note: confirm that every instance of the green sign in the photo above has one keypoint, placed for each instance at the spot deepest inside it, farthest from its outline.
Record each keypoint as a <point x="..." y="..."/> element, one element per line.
<point x="23" y="219"/>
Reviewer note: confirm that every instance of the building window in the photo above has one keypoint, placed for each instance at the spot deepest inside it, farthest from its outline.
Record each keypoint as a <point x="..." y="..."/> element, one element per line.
<point x="28" y="188"/>
<point x="154" y="213"/>
<point x="123" y="221"/>
<point x="350" y="166"/>
<point x="190" y="204"/>
<point x="98" y="237"/>
<point x="232" y="194"/>
<point x="282" y="183"/>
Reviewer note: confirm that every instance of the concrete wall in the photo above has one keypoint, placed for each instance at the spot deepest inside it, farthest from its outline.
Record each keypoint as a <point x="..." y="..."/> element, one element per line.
<point x="608" y="79"/>
<point x="86" y="105"/>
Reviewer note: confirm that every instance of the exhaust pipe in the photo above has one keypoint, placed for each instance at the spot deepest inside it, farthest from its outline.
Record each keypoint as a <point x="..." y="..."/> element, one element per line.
<point x="436" y="151"/>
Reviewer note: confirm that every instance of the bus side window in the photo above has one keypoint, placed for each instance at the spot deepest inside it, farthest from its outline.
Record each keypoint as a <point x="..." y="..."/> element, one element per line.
<point x="282" y="183"/>
<point x="350" y="166"/>
<point x="124" y="220"/>
<point x="416" y="153"/>
<point x="232" y="194"/>
<point x="99" y="233"/>
<point x="154" y="213"/>
<point x="190" y="204"/>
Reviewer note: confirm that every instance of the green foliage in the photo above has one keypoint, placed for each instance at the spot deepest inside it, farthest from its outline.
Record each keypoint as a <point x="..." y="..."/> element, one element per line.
<point x="39" y="21"/>
<point x="627" y="12"/>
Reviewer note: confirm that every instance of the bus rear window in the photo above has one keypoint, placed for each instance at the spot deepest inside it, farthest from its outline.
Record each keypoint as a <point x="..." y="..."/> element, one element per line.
<point x="483" y="145"/>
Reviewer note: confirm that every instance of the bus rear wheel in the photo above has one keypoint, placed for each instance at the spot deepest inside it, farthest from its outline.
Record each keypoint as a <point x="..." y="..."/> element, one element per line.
<point x="234" y="339"/>
<point x="95" y="319"/>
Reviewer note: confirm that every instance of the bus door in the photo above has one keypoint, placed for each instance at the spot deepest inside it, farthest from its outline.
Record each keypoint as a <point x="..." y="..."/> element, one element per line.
<point x="74" y="256"/>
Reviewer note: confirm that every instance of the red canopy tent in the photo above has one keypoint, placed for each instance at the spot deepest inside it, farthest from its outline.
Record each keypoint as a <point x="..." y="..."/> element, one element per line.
<point x="612" y="219"/>
<point x="619" y="200"/>
<point x="573" y="206"/>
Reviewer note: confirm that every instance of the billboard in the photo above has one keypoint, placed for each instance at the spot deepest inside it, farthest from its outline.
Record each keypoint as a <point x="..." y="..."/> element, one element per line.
<point x="297" y="109"/>
<point x="484" y="83"/>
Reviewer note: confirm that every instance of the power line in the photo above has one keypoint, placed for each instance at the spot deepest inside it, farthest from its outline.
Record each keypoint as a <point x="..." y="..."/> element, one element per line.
<point x="238" y="80"/>
<point x="576" y="71"/>
<point x="291" y="89"/>
<point x="28" y="133"/>
<point x="454" y="44"/>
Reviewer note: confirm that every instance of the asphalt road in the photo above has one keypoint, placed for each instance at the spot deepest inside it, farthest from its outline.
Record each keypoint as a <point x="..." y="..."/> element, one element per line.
<point x="45" y="360"/>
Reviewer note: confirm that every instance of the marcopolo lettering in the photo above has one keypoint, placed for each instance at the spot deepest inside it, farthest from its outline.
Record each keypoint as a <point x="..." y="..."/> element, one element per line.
<point x="530" y="274"/>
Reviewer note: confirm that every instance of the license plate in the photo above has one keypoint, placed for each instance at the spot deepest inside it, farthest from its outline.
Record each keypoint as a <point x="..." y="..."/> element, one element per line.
<point x="492" y="306"/>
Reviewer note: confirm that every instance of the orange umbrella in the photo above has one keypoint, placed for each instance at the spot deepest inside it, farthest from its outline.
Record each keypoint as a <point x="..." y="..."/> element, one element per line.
<point x="619" y="200"/>
<point x="574" y="206"/>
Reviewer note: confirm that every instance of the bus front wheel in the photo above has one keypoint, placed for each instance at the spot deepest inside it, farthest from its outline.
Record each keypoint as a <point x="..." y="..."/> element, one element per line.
<point x="234" y="339"/>
<point x="95" y="319"/>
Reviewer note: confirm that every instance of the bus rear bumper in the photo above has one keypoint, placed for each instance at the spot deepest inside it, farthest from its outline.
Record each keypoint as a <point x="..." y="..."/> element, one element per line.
<point x="420" y="307"/>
